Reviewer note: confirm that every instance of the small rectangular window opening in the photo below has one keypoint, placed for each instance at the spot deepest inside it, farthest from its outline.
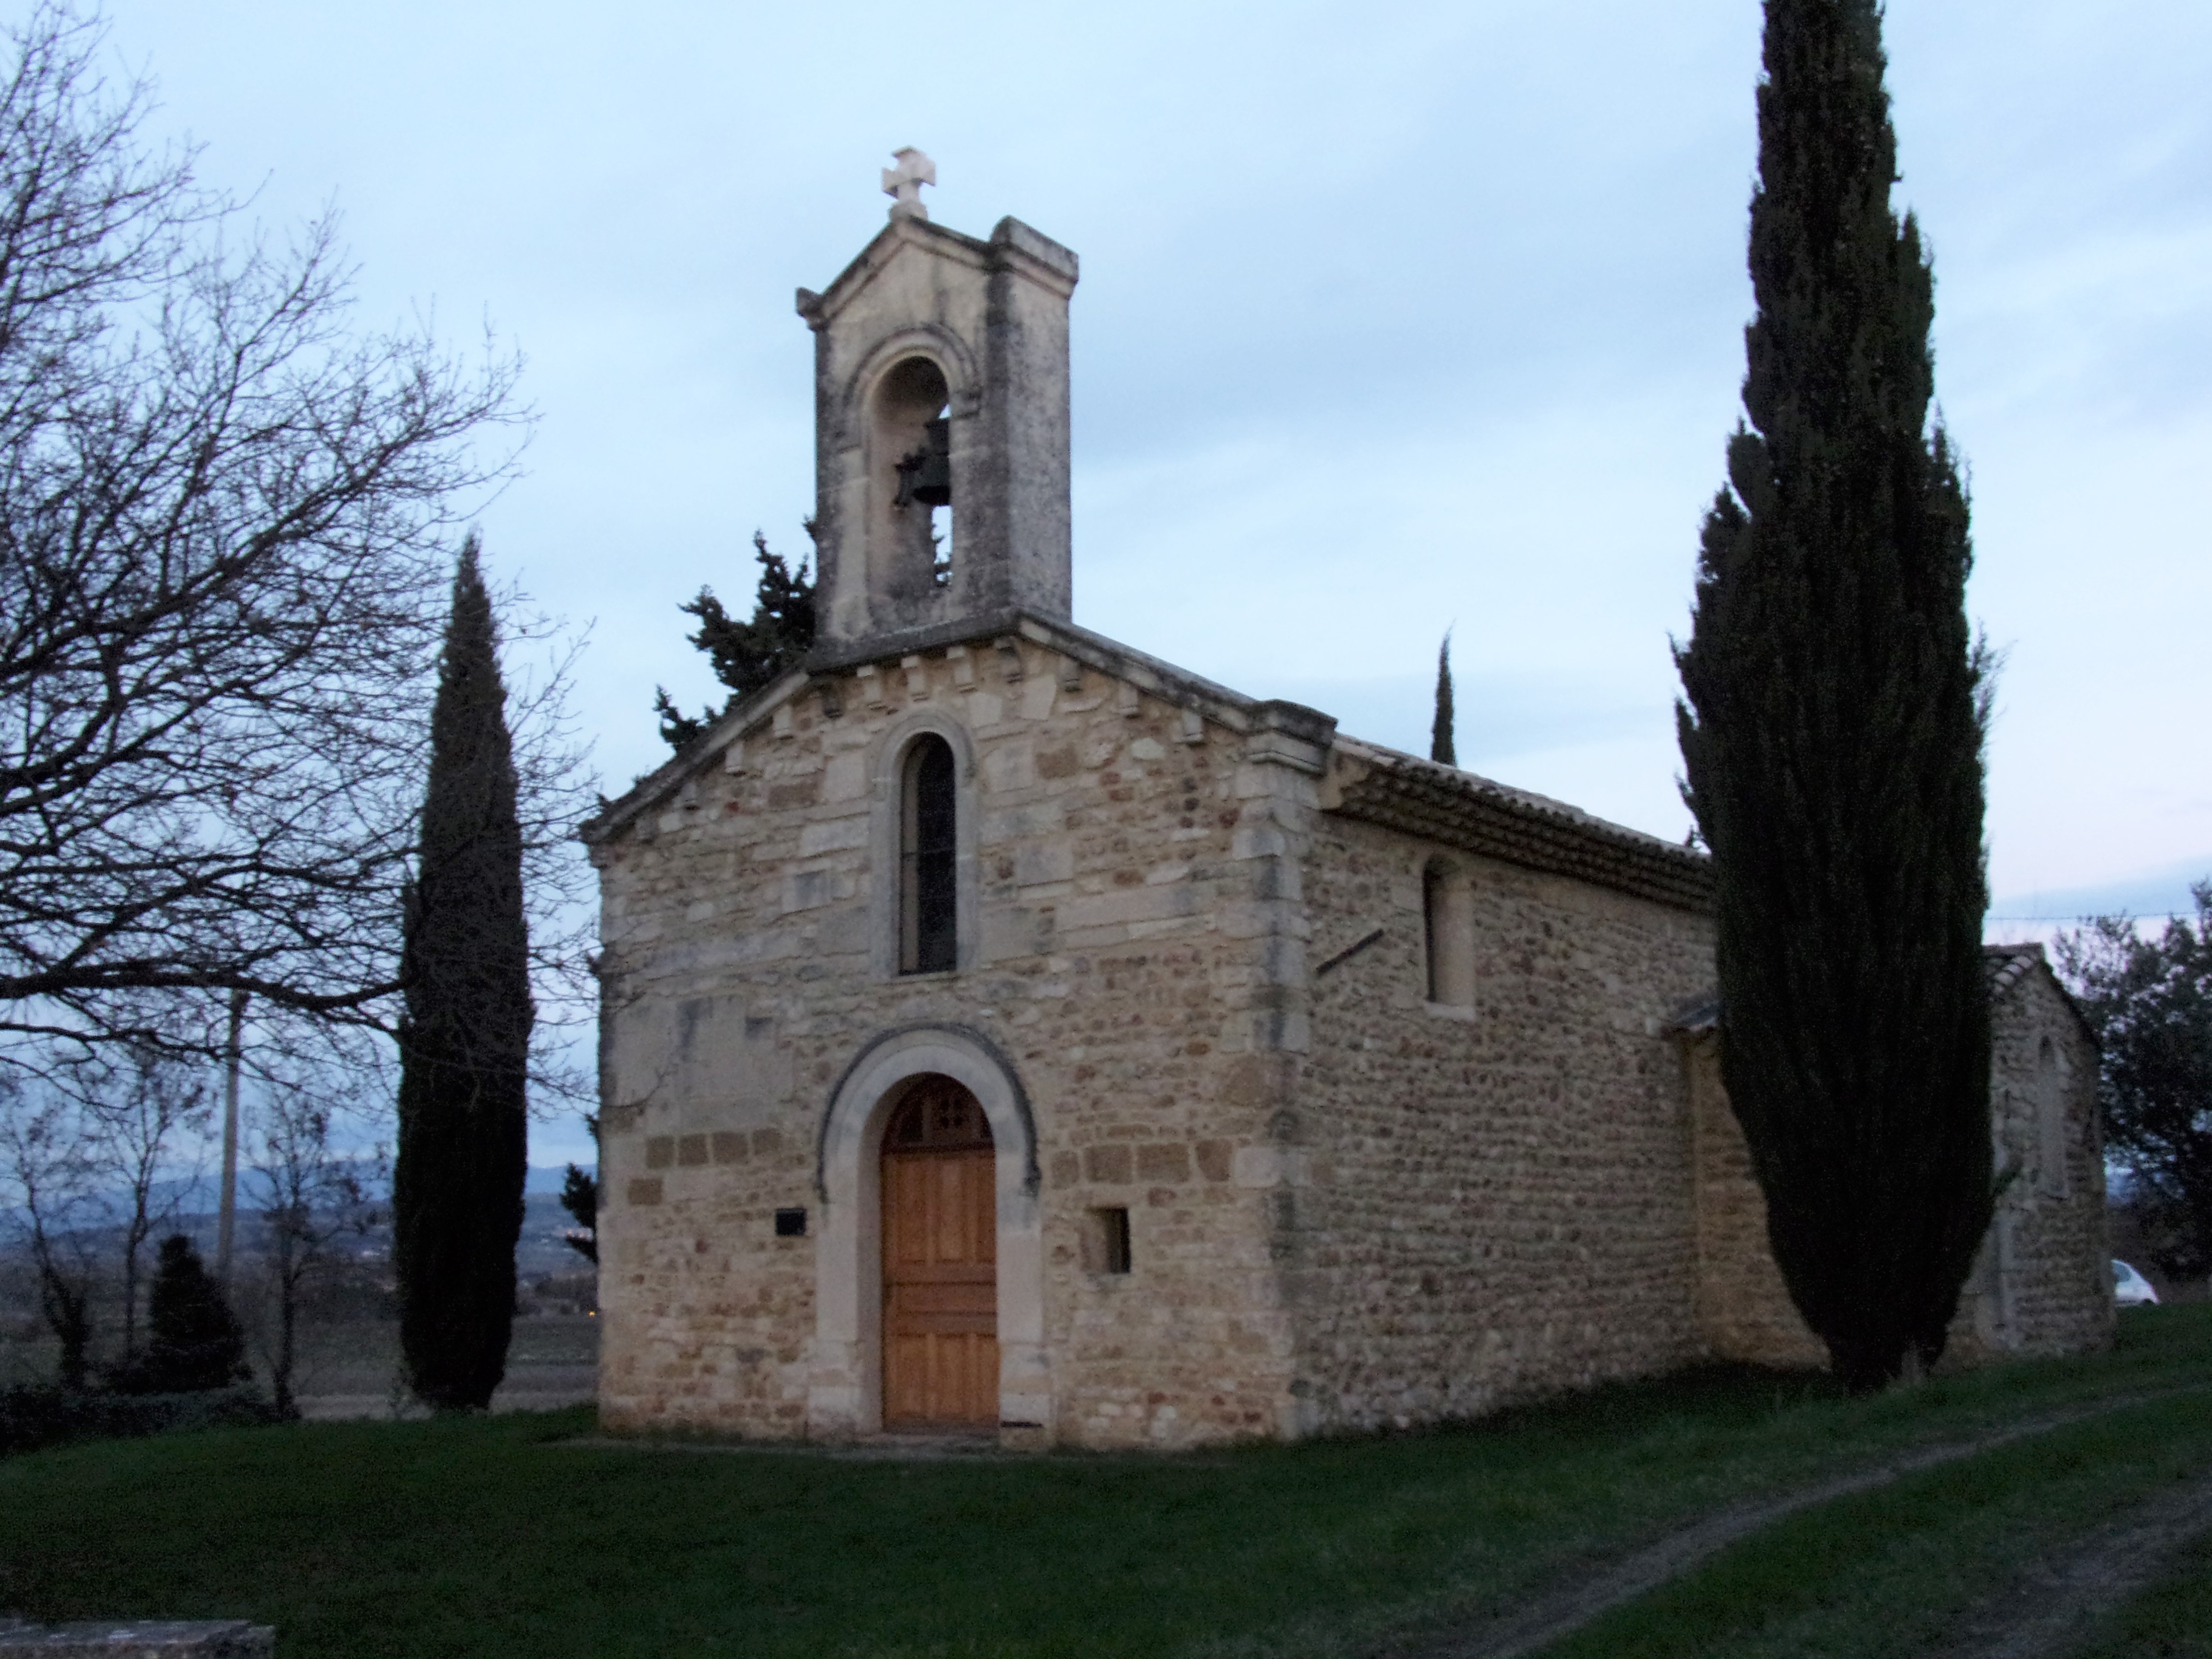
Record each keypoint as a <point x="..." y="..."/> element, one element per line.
<point x="1106" y="1243"/>
<point x="791" y="1223"/>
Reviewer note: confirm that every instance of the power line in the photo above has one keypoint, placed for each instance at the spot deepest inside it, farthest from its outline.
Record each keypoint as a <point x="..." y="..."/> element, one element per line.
<point x="2132" y="915"/>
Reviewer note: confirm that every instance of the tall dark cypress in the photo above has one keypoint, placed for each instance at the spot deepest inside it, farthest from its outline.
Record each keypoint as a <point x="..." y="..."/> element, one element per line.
<point x="465" y="1039"/>
<point x="1441" y="747"/>
<point x="1833" y="732"/>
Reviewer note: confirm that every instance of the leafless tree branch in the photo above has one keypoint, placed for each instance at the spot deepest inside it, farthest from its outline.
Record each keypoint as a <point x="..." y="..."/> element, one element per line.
<point x="225" y="522"/>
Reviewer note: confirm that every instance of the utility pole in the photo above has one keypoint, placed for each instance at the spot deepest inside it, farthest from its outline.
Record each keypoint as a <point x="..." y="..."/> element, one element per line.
<point x="226" y="1209"/>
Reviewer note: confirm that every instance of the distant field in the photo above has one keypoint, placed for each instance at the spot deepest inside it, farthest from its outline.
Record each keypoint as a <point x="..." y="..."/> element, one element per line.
<point x="1916" y="1514"/>
<point x="349" y="1336"/>
<point x="347" y="1368"/>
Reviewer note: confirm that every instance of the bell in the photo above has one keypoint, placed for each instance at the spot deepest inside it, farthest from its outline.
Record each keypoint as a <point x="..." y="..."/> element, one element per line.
<point x="933" y="480"/>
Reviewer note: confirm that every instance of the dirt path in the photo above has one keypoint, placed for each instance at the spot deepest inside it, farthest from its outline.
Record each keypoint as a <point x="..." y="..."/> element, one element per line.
<point x="1554" y="1616"/>
<point x="2053" y="1606"/>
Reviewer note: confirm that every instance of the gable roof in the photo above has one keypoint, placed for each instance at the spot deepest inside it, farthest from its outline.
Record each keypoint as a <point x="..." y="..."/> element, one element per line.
<point x="826" y="665"/>
<point x="1476" y="814"/>
<point x="2005" y="966"/>
<point x="1361" y="781"/>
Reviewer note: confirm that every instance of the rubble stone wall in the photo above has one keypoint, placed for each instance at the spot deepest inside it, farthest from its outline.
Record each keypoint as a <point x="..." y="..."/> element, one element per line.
<point x="1493" y="1199"/>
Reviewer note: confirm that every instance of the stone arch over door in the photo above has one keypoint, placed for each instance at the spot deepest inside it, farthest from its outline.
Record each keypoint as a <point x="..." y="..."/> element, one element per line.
<point x="845" y="1391"/>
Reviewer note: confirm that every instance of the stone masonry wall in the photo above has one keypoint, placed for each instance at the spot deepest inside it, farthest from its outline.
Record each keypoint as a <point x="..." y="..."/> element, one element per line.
<point x="1743" y="1308"/>
<point x="1490" y="1201"/>
<point x="1114" y="961"/>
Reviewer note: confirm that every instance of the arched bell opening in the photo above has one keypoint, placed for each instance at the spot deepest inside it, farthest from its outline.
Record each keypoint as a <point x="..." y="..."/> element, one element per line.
<point x="940" y="1285"/>
<point x="910" y="483"/>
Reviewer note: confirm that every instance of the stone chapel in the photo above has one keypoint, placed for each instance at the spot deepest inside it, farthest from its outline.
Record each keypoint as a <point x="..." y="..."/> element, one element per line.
<point x="1005" y="1030"/>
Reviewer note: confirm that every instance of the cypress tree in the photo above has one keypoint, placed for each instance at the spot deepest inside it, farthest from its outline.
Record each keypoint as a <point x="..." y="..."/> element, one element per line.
<point x="196" y="1343"/>
<point x="464" y="1036"/>
<point x="1441" y="747"/>
<point x="746" y="655"/>
<point x="580" y="1197"/>
<point x="1835" y="703"/>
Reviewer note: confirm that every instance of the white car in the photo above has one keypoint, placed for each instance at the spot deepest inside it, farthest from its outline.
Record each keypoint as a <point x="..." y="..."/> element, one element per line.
<point x="2129" y="1288"/>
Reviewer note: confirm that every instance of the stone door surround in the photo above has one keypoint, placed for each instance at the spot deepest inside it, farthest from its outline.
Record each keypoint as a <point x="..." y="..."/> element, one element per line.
<point x="845" y="1395"/>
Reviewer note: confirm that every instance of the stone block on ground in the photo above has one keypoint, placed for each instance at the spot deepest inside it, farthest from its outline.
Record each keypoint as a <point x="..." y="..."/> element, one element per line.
<point x="194" y="1638"/>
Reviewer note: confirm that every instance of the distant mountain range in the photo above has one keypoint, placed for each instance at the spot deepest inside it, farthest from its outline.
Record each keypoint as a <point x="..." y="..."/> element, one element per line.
<point x="197" y="1194"/>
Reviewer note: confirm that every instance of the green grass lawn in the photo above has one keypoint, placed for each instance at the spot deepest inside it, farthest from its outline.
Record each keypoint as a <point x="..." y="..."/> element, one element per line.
<point x="2174" y="1621"/>
<point x="1896" y="1572"/>
<point x="490" y="1537"/>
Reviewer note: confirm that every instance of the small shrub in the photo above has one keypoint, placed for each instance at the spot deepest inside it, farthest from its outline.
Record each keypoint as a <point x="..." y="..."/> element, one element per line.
<point x="197" y="1343"/>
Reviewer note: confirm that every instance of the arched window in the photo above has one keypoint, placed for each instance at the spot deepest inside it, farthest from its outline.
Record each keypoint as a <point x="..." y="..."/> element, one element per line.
<point x="928" y="926"/>
<point x="1448" y="932"/>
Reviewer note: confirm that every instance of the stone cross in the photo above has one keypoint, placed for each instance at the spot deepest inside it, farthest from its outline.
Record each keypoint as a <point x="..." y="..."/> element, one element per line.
<point x="903" y="183"/>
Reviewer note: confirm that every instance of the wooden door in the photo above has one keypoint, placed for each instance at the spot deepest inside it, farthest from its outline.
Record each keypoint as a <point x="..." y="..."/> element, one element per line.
<point x="941" y="1262"/>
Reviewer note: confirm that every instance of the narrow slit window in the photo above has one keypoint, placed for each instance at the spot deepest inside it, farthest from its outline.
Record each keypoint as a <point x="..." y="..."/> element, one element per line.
<point x="1433" y="927"/>
<point x="928" y="913"/>
<point x="2051" y="1120"/>
<point x="1448" y="935"/>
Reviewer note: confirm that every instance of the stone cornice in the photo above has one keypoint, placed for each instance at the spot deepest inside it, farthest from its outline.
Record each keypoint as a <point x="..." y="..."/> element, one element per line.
<point x="1458" y="809"/>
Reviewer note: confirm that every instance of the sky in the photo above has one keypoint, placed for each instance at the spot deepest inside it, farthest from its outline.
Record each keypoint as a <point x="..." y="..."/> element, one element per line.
<point x="1394" y="318"/>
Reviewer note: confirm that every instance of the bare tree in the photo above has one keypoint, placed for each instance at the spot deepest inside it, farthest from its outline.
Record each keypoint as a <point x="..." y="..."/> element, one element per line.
<point x="225" y="523"/>
<point x="45" y="1158"/>
<point x="307" y="1198"/>
<point x="134" y="1121"/>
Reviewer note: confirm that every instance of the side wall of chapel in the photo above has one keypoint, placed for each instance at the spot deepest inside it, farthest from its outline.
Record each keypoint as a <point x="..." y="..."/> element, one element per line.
<point x="1497" y="1196"/>
<point x="1112" y="888"/>
<point x="2041" y="1284"/>
<point x="1743" y="1308"/>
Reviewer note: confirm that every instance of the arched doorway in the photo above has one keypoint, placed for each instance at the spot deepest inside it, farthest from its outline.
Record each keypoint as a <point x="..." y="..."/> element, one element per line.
<point x="940" y="1284"/>
<point x="845" y="1391"/>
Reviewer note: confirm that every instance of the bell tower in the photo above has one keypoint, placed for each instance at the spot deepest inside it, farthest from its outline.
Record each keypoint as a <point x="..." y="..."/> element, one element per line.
<point x="941" y="426"/>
